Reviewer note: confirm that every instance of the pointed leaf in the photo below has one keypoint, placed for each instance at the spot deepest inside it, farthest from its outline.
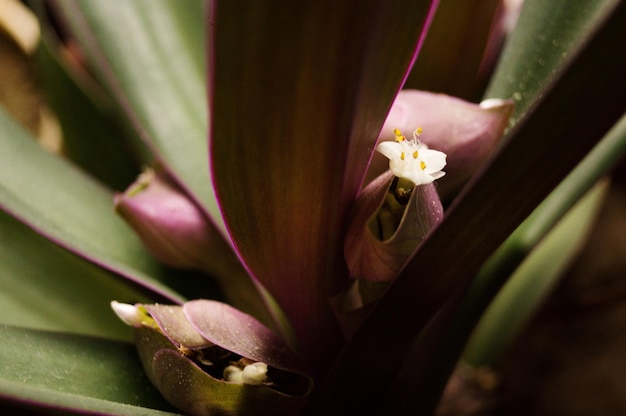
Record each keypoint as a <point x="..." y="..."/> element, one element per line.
<point x="298" y="101"/>
<point x="150" y="55"/>
<point x="542" y="40"/>
<point x="68" y="207"/>
<point x="70" y="374"/>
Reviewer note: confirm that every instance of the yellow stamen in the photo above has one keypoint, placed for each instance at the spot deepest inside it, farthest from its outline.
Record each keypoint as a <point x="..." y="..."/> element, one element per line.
<point x="422" y="165"/>
<point x="415" y="154"/>
<point x="399" y="136"/>
<point x="402" y="156"/>
<point x="418" y="131"/>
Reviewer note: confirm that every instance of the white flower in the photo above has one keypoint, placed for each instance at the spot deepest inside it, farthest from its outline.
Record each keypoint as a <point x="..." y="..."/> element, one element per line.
<point x="412" y="159"/>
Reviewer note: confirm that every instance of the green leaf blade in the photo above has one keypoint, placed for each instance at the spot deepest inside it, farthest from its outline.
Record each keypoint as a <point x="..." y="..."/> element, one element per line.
<point x="149" y="54"/>
<point x="73" y="210"/>
<point x="69" y="373"/>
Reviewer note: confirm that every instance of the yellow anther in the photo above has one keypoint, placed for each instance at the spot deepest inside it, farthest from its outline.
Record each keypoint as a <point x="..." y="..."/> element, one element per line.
<point x="402" y="156"/>
<point x="399" y="136"/>
<point x="418" y="131"/>
<point x="422" y="165"/>
<point x="415" y="154"/>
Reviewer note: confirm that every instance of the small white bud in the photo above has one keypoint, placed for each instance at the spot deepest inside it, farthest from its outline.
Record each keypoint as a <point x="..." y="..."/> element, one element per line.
<point x="233" y="374"/>
<point x="129" y="314"/>
<point x="255" y="373"/>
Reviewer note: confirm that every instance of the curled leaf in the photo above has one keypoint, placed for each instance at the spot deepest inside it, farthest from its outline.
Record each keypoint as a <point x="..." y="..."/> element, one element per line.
<point x="184" y="384"/>
<point x="466" y="132"/>
<point x="236" y="331"/>
<point x="376" y="247"/>
<point x="193" y="372"/>
<point x="175" y="326"/>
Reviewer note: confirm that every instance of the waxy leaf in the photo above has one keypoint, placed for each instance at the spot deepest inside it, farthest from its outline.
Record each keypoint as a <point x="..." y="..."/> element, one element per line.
<point x="70" y="374"/>
<point x="149" y="54"/>
<point x="298" y="99"/>
<point x="68" y="207"/>
<point x="240" y="333"/>
<point x="176" y="326"/>
<point x="44" y="286"/>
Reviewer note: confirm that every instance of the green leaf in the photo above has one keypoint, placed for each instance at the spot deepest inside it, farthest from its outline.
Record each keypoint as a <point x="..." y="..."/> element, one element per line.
<point x="299" y="98"/>
<point x="149" y="54"/>
<point x="44" y="286"/>
<point x="59" y="201"/>
<point x="539" y="153"/>
<point x="546" y="35"/>
<point x="91" y="137"/>
<point x="532" y="282"/>
<point x="72" y="374"/>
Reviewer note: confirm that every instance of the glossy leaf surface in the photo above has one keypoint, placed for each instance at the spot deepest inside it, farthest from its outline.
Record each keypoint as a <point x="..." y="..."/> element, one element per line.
<point x="74" y="375"/>
<point x="298" y="100"/>
<point x="44" y="286"/>
<point x="150" y="56"/>
<point x="59" y="201"/>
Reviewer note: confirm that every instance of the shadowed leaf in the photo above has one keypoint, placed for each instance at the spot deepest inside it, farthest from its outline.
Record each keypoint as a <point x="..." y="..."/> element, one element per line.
<point x="298" y="101"/>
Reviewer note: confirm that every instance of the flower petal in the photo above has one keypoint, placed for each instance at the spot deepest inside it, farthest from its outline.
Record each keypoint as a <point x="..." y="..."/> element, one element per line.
<point x="467" y="133"/>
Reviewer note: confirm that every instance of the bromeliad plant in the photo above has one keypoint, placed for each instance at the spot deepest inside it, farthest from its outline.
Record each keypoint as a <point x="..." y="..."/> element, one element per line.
<point x="353" y="286"/>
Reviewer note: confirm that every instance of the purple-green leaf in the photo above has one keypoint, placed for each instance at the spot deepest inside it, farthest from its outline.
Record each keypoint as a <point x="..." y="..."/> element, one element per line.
<point x="186" y="386"/>
<point x="374" y="255"/>
<point x="470" y="31"/>
<point x="240" y="333"/>
<point x="174" y="324"/>
<point x="298" y="99"/>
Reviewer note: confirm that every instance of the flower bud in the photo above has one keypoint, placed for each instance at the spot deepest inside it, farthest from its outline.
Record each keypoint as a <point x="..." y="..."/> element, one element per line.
<point x="171" y="226"/>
